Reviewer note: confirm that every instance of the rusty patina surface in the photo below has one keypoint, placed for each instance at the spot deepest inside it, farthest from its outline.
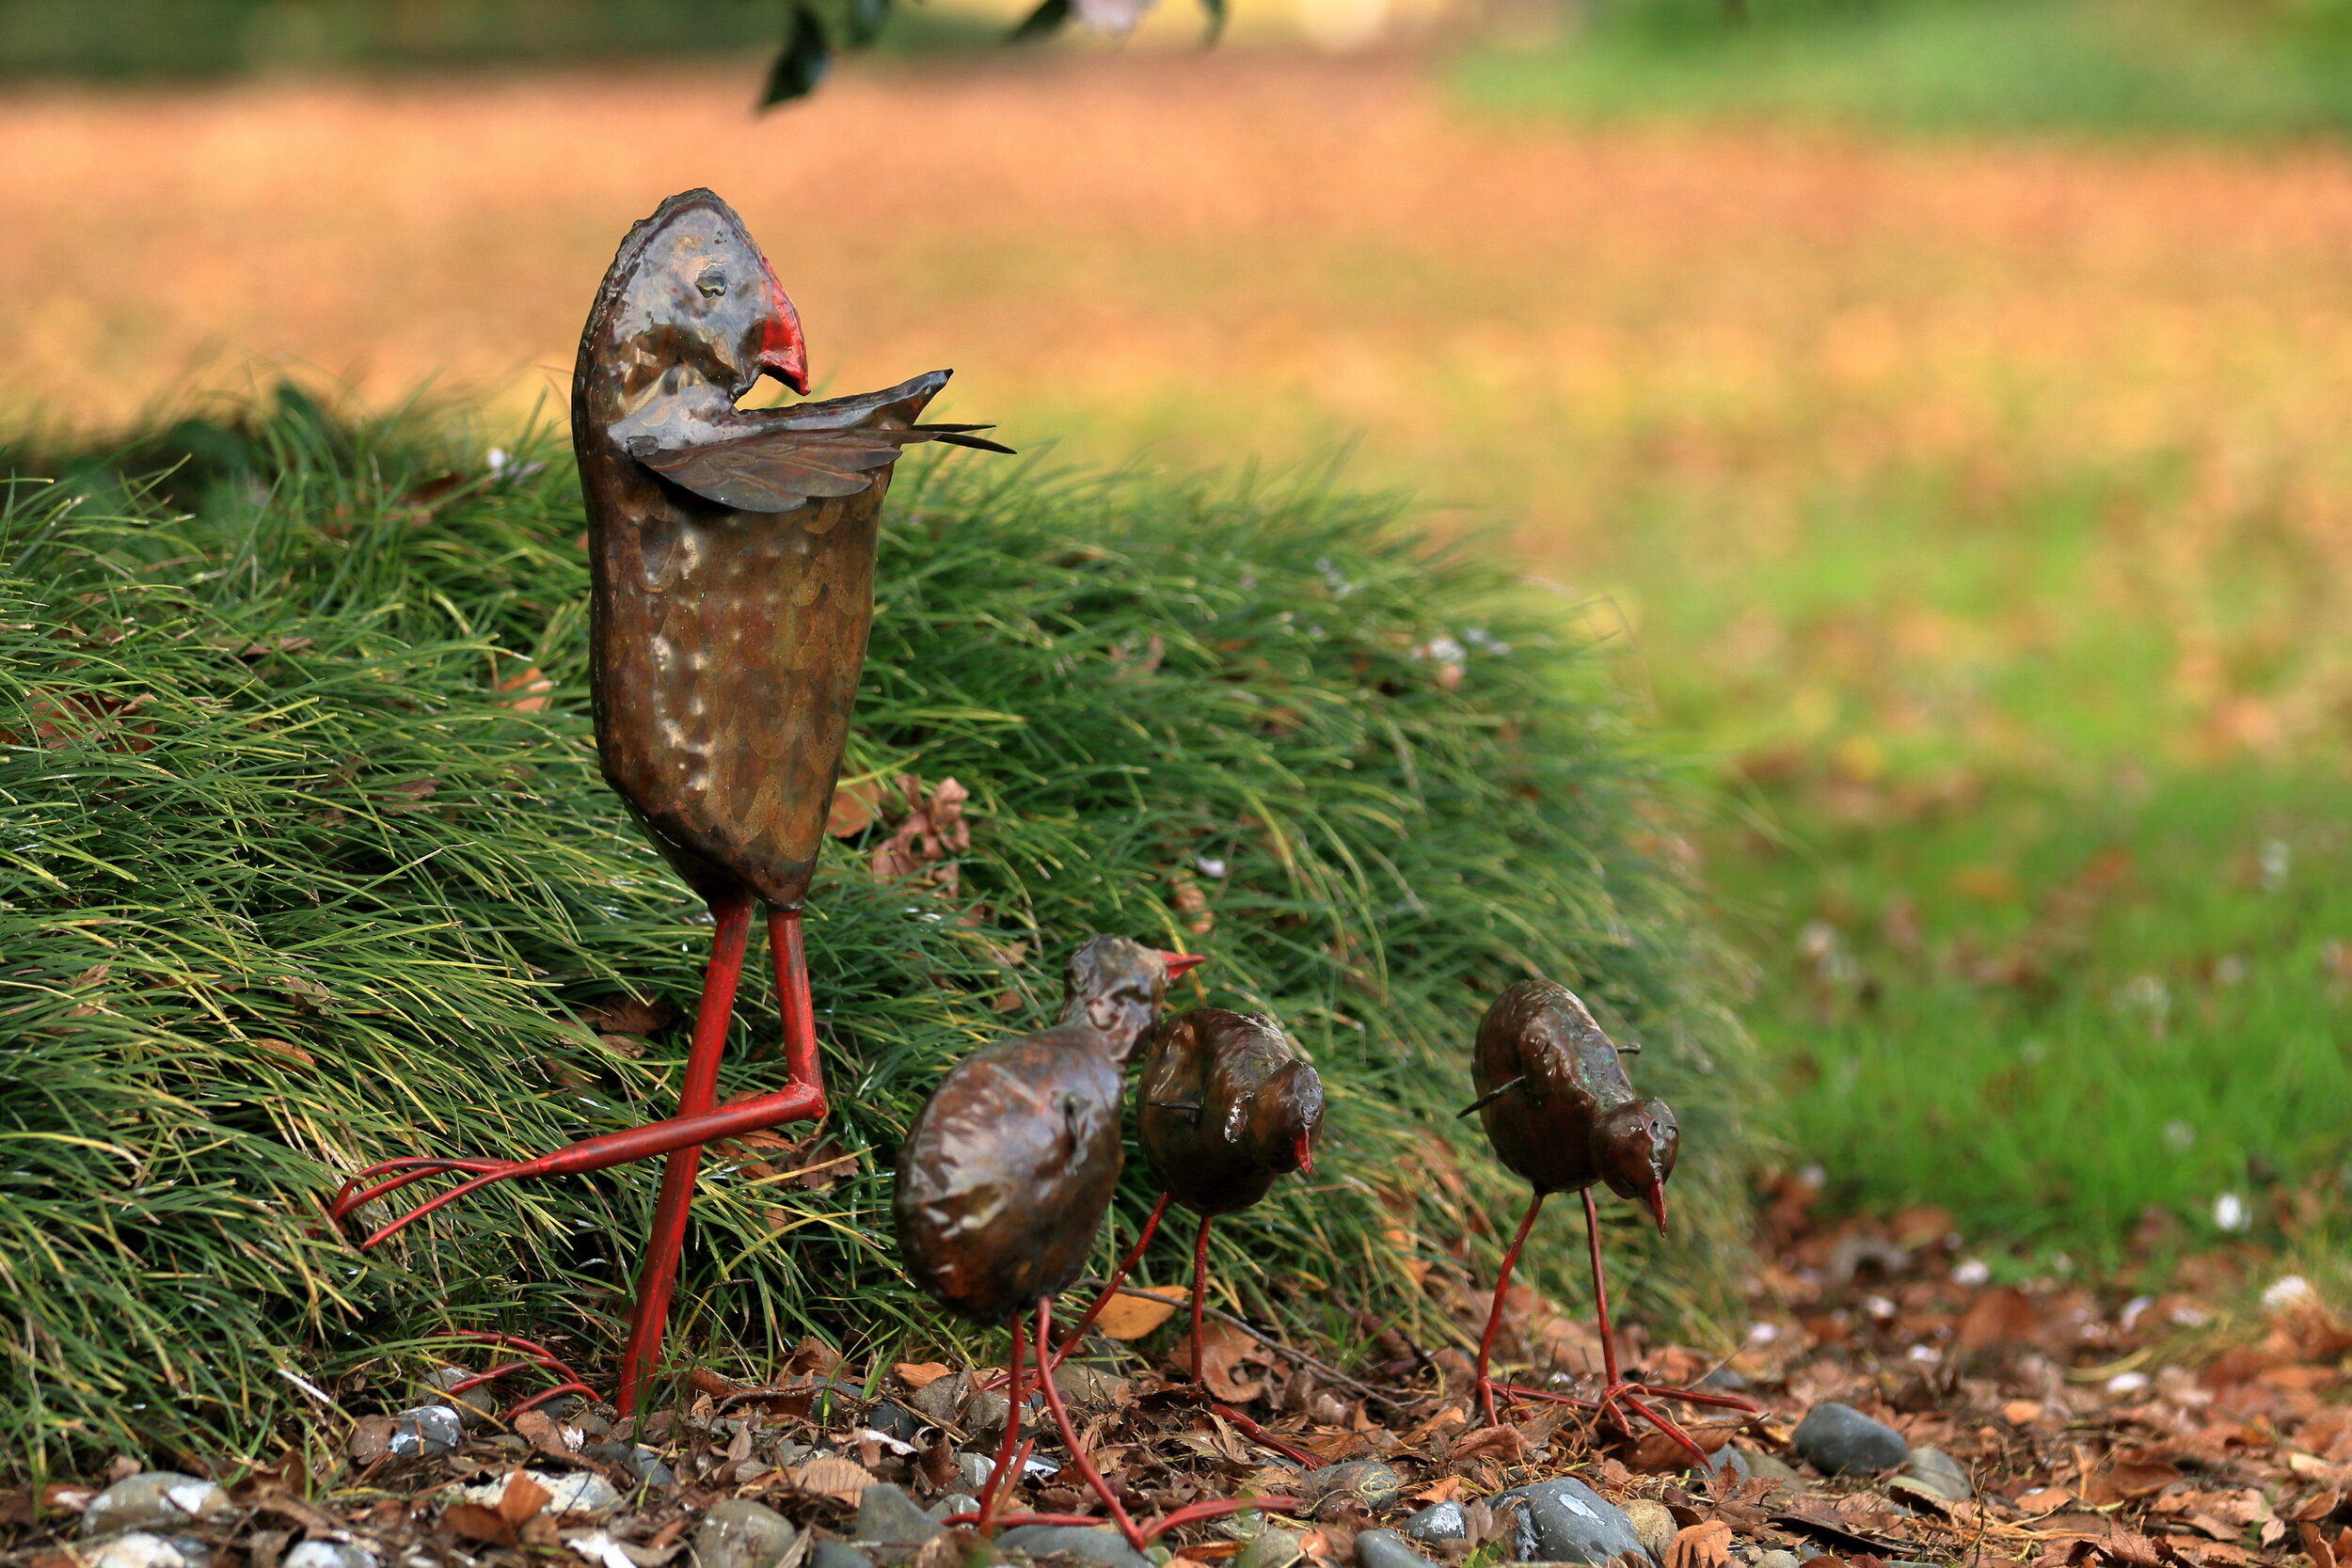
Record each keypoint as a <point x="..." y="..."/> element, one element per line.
<point x="1556" y="1102"/>
<point x="1225" y="1106"/>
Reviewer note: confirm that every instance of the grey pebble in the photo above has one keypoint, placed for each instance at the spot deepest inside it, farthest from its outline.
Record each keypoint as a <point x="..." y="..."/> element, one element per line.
<point x="1088" y="1386"/>
<point x="1777" y="1560"/>
<point x="1101" y="1547"/>
<point x="938" y="1401"/>
<point x="1385" y="1549"/>
<point x="631" y="1459"/>
<point x="1271" y="1548"/>
<point x="740" y="1533"/>
<point x="1652" y="1523"/>
<point x="952" y="1504"/>
<point x="1435" y="1523"/>
<point x="1837" y="1439"/>
<point x="329" y="1553"/>
<point x="1729" y="1464"/>
<point x="139" y="1550"/>
<point x="1937" y="1472"/>
<point x="1567" y="1521"/>
<point x="973" y="1470"/>
<point x="1765" y="1466"/>
<point x="892" y="1419"/>
<point x="888" y="1519"/>
<point x="1722" y="1380"/>
<point x="426" y="1430"/>
<point x="838" y="1554"/>
<point x="474" y="1406"/>
<point x="163" y="1498"/>
<point x="1367" y="1480"/>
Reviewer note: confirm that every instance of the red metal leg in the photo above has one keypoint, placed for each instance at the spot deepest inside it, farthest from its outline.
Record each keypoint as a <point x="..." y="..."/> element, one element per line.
<point x="1000" y="1473"/>
<point x="1200" y="1279"/>
<point x="1070" y="1437"/>
<point x="1126" y="1265"/>
<point x="1617" y="1391"/>
<point x="680" y="1136"/>
<point x="1494" y="1315"/>
<point x="731" y="919"/>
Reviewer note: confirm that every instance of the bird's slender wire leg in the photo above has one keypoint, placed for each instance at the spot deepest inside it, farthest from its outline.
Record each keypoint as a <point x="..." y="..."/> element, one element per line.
<point x="1069" y="1437"/>
<point x="1494" y="1314"/>
<point x="1126" y="1266"/>
<point x="731" y="922"/>
<point x="1000" y="1475"/>
<point x="803" y="1101"/>
<point x="1617" y="1391"/>
<point x="1248" y="1428"/>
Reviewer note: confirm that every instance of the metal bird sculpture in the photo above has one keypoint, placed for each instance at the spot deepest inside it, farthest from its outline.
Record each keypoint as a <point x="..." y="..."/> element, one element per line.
<point x="1010" y="1167"/>
<point x="1556" y="1104"/>
<point x="732" y="553"/>
<point x="1224" y="1107"/>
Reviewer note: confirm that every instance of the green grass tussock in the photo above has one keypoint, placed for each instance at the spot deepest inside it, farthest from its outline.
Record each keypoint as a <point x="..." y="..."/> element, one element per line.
<point x="295" y="874"/>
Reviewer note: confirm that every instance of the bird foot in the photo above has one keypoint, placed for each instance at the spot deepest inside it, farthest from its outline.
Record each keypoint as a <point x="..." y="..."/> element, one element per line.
<point x="1615" y="1398"/>
<point x="533" y="1354"/>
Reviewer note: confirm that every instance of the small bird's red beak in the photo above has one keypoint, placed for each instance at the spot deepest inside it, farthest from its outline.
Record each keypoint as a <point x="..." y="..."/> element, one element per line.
<point x="1657" y="1196"/>
<point x="1306" y="1155"/>
<point x="1179" y="963"/>
<point x="783" y="352"/>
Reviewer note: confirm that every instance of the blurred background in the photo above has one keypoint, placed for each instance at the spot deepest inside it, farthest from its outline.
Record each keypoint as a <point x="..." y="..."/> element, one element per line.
<point x="1935" y="405"/>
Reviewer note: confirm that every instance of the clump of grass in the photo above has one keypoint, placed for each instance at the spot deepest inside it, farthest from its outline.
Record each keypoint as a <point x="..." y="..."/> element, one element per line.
<point x="298" y="875"/>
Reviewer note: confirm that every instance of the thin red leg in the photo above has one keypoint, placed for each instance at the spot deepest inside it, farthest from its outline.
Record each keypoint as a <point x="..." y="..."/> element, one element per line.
<point x="1070" y="1437"/>
<point x="731" y="918"/>
<point x="1200" y="1278"/>
<point x="1494" y="1314"/>
<point x="1000" y="1475"/>
<point x="1126" y="1266"/>
<point x="1200" y="1289"/>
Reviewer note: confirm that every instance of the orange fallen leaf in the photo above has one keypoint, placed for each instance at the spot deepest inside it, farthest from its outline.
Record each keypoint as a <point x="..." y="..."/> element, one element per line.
<point x="842" y="1480"/>
<point x="919" y="1374"/>
<point x="1133" y="1316"/>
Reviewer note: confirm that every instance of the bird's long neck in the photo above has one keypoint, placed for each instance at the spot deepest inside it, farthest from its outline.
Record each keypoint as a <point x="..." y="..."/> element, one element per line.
<point x="1117" y="1024"/>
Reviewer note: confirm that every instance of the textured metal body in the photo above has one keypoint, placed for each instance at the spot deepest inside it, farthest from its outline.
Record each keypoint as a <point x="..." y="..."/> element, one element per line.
<point x="1009" y="1168"/>
<point x="1225" y="1106"/>
<point x="1555" y="1091"/>
<point x="725" y="642"/>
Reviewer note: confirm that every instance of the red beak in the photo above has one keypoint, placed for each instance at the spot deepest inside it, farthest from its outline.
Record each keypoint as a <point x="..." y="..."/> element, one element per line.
<point x="783" y="352"/>
<point x="1306" y="1155"/>
<point x="1657" y="1196"/>
<point x="1180" y="964"/>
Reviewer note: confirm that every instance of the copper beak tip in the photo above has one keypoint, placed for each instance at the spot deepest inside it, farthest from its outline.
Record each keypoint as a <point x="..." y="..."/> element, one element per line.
<point x="1658" y="1204"/>
<point x="1181" y="963"/>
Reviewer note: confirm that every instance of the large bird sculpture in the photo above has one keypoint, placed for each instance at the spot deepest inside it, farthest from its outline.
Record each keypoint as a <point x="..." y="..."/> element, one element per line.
<point x="732" y="553"/>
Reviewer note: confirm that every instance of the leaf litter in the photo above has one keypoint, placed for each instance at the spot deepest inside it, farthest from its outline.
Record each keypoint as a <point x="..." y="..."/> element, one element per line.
<point x="2075" y="1427"/>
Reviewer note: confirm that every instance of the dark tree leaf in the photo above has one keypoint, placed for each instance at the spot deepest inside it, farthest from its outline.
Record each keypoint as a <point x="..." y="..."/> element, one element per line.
<point x="865" y="23"/>
<point x="802" y="63"/>
<point x="1045" y="22"/>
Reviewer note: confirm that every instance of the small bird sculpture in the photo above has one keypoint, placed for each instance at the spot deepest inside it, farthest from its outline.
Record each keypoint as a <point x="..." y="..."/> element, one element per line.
<point x="1006" y="1172"/>
<point x="1556" y="1104"/>
<point x="1224" y="1107"/>
<point x="732" y="558"/>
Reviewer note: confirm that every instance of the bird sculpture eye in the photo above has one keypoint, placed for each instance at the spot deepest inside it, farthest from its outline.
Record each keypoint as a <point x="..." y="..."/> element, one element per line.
<point x="712" y="283"/>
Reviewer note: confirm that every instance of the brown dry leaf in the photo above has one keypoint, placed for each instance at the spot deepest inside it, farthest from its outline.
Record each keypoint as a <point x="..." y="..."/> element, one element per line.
<point x="2126" y="1478"/>
<point x="919" y="1374"/>
<point x="1502" y="1442"/>
<point x="2000" y="1316"/>
<point x="626" y="1015"/>
<point x="2021" y="1413"/>
<point x="529" y="686"/>
<point x="2128" y="1546"/>
<point x="2045" y="1499"/>
<point x="1449" y="1417"/>
<point x="542" y="1432"/>
<point x="1224" y="1351"/>
<point x="2315" y="1545"/>
<point x="1701" y="1545"/>
<point x="523" y="1495"/>
<point x="1125" y="1316"/>
<point x="843" y="1480"/>
<point x="477" y="1522"/>
<point x="285" y="1049"/>
<point x="854" y="806"/>
<point x="1445" y="1489"/>
<point x="933" y="829"/>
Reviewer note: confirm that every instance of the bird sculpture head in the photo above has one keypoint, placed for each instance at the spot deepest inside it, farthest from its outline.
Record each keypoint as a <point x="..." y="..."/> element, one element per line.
<point x="1634" y="1147"/>
<point x="1285" y="1118"/>
<point x="692" y="308"/>
<point x="1114" y="987"/>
